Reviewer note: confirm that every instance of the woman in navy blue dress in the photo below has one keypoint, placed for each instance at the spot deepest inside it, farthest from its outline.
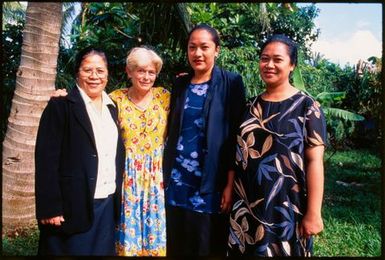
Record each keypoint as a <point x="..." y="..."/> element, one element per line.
<point x="206" y="106"/>
<point x="279" y="174"/>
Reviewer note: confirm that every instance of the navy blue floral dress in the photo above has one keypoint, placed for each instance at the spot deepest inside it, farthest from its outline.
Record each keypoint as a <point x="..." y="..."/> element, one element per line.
<point x="270" y="182"/>
<point x="183" y="190"/>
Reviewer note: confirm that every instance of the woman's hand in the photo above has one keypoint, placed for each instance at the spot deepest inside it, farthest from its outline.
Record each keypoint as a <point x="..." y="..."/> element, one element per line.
<point x="311" y="224"/>
<point x="227" y="195"/>
<point x="56" y="221"/>
<point x="61" y="92"/>
<point x="227" y="199"/>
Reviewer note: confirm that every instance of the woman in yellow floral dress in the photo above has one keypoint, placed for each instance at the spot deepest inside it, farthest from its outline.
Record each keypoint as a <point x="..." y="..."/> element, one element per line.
<point x="143" y="113"/>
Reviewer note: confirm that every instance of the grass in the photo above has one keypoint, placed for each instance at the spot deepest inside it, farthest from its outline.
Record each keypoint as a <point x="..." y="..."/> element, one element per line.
<point x="352" y="213"/>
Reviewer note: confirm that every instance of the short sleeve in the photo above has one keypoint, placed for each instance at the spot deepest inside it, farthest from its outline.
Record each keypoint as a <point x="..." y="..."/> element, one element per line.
<point x="163" y="96"/>
<point x="315" y="125"/>
<point x="117" y="95"/>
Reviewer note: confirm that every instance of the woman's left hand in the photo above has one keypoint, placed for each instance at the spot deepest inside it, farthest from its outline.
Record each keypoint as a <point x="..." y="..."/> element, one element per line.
<point x="227" y="199"/>
<point x="311" y="224"/>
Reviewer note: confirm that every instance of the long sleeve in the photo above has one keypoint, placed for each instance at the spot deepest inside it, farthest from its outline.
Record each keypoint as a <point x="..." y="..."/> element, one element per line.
<point x="47" y="160"/>
<point x="237" y="107"/>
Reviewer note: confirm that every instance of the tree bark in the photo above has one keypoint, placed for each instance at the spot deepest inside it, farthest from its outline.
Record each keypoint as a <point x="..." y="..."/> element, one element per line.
<point x="35" y="81"/>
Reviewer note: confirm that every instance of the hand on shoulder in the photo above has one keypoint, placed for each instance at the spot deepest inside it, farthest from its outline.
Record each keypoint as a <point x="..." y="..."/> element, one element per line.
<point x="61" y="92"/>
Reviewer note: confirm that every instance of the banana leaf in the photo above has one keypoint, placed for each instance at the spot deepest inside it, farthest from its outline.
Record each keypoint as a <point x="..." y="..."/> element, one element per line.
<point x="342" y="114"/>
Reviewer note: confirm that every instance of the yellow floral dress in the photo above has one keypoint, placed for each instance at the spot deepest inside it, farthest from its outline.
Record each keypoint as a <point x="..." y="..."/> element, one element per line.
<point x="142" y="227"/>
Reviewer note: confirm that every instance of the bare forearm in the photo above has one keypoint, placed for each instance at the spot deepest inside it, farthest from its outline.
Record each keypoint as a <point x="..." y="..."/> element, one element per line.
<point x="312" y="222"/>
<point x="315" y="186"/>
<point x="227" y="195"/>
<point x="230" y="178"/>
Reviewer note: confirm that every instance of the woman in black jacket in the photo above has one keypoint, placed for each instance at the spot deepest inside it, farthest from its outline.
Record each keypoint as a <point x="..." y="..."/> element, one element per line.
<point x="206" y="106"/>
<point x="79" y="160"/>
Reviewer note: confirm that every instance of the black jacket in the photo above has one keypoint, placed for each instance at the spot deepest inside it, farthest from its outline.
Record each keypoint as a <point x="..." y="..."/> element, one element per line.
<point x="222" y="110"/>
<point x="66" y="164"/>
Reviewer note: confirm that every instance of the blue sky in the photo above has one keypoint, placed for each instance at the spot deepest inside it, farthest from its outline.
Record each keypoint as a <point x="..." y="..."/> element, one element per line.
<point x="349" y="32"/>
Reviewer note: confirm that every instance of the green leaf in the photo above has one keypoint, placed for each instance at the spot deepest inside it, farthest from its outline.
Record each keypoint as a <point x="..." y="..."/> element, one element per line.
<point x="342" y="114"/>
<point x="331" y="96"/>
<point x="298" y="80"/>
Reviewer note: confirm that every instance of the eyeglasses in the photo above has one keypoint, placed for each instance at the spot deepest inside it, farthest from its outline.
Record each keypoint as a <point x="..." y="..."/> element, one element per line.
<point x="88" y="72"/>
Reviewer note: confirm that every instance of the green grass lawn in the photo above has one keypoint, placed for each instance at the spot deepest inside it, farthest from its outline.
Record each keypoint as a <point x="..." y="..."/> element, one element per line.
<point x="351" y="211"/>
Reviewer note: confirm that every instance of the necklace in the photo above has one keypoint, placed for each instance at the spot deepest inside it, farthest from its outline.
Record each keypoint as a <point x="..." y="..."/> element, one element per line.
<point x="143" y="103"/>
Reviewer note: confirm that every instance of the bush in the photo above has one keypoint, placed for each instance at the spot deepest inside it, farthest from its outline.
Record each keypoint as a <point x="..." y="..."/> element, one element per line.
<point x="21" y="244"/>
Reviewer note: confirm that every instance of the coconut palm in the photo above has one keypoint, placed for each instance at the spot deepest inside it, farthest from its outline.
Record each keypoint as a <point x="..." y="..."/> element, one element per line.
<point x="35" y="82"/>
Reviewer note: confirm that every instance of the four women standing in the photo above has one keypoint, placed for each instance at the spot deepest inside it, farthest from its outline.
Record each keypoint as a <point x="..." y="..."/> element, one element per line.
<point x="278" y="165"/>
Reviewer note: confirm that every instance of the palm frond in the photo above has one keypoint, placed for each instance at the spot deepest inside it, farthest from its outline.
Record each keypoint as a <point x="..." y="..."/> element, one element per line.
<point x="13" y="12"/>
<point x="70" y="12"/>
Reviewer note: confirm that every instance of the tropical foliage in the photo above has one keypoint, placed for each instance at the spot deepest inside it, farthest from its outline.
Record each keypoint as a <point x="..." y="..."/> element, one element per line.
<point x="117" y="27"/>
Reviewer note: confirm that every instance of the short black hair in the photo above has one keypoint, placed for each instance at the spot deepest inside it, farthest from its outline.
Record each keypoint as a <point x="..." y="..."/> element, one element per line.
<point x="85" y="52"/>
<point x="214" y="33"/>
<point x="291" y="45"/>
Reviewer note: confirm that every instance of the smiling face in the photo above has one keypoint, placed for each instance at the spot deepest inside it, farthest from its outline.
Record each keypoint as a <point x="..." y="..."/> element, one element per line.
<point x="201" y="50"/>
<point x="92" y="76"/>
<point x="275" y="64"/>
<point x="143" y="75"/>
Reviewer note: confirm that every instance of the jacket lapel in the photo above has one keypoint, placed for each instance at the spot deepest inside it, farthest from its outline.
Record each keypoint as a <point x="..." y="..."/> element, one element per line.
<point x="80" y="112"/>
<point x="113" y="113"/>
<point x="182" y="99"/>
<point x="210" y="93"/>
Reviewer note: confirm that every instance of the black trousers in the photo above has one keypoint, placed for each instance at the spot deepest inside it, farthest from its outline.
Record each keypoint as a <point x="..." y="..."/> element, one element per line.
<point x="99" y="240"/>
<point x="191" y="233"/>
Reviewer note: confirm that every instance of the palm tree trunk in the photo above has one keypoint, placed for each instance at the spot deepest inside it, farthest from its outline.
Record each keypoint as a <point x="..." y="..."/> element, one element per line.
<point x="35" y="82"/>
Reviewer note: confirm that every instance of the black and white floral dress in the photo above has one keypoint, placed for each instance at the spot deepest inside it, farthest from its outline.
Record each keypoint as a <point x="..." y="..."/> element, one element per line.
<point x="270" y="182"/>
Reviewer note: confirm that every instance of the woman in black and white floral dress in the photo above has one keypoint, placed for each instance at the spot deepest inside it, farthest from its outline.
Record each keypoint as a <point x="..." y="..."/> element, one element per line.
<point x="279" y="176"/>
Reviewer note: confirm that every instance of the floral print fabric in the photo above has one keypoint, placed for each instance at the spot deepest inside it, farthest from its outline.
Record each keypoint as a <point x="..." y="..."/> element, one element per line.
<point x="183" y="190"/>
<point x="142" y="228"/>
<point x="270" y="182"/>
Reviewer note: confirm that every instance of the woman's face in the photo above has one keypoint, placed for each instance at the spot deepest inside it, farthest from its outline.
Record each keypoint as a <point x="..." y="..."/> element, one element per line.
<point x="201" y="51"/>
<point x="274" y="64"/>
<point x="143" y="76"/>
<point x="93" y="75"/>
